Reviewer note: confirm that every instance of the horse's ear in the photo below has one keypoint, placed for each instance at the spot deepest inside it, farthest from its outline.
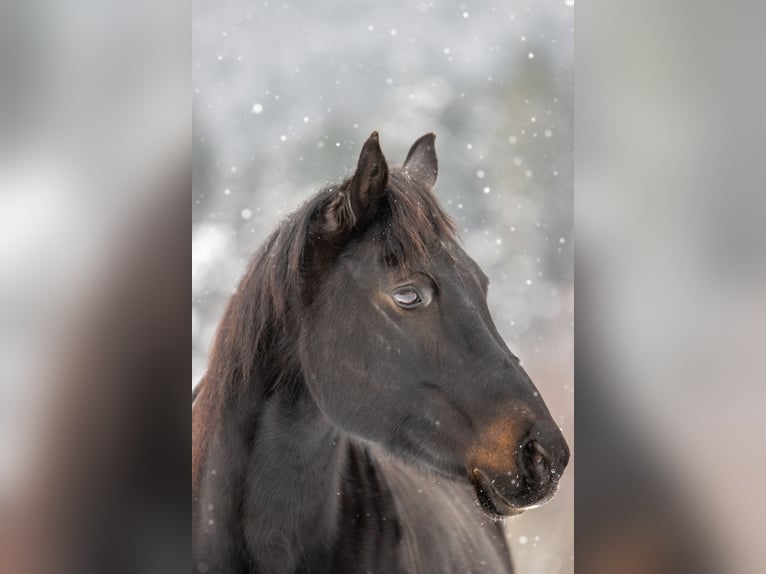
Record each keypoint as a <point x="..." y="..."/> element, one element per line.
<point x="421" y="163"/>
<point x="370" y="179"/>
<point x="357" y="204"/>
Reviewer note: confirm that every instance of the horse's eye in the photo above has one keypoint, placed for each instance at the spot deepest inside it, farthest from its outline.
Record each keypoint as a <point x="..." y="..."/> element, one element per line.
<point x="407" y="298"/>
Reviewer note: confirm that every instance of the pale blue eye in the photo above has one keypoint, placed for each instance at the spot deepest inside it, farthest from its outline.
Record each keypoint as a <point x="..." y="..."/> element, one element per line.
<point x="407" y="297"/>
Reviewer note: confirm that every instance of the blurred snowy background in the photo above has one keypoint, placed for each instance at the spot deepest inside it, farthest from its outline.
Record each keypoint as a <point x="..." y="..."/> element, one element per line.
<point x="284" y="94"/>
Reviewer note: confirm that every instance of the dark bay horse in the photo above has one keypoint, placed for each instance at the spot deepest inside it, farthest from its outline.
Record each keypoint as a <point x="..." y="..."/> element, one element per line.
<point x="360" y="412"/>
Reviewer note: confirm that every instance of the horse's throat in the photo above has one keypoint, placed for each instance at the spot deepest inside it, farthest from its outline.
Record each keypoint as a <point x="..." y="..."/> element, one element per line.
<point x="293" y="486"/>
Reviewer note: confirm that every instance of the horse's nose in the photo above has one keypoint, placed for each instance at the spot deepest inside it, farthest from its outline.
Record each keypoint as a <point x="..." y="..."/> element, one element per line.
<point x="543" y="461"/>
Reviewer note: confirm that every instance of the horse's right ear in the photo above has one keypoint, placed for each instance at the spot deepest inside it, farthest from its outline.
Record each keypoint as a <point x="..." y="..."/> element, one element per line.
<point x="356" y="204"/>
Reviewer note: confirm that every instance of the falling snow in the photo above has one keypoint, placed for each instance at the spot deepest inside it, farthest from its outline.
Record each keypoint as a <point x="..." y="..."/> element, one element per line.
<point x="273" y="123"/>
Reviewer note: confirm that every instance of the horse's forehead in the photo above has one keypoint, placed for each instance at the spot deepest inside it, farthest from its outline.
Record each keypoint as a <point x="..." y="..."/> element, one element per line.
<point x="457" y="255"/>
<point x="444" y="257"/>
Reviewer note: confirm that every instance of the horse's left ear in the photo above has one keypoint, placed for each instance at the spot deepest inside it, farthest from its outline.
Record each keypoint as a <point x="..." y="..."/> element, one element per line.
<point x="421" y="163"/>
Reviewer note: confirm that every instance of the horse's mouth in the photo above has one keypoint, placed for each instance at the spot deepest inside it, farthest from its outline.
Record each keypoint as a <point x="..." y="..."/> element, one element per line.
<point x="497" y="505"/>
<point x="490" y="500"/>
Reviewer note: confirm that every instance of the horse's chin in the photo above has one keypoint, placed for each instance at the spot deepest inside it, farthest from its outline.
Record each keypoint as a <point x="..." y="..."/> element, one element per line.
<point x="493" y="503"/>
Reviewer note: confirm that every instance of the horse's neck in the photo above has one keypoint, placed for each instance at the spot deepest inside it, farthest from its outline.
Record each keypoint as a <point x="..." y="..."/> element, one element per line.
<point x="287" y="491"/>
<point x="293" y="480"/>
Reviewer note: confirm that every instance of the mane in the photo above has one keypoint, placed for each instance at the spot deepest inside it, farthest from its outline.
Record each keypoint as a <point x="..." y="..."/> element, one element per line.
<point x="253" y="352"/>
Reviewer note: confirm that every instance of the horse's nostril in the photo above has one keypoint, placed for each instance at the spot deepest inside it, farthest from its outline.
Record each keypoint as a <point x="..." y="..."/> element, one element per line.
<point x="540" y="451"/>
<point x="536" y="462"/>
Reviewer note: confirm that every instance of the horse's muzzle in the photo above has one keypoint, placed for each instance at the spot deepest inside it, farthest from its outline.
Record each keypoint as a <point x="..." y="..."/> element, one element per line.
<point x="530" y="479"/>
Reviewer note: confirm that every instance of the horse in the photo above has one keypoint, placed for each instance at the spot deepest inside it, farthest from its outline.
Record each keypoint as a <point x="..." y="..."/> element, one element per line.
<point x="360" y="411"/>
